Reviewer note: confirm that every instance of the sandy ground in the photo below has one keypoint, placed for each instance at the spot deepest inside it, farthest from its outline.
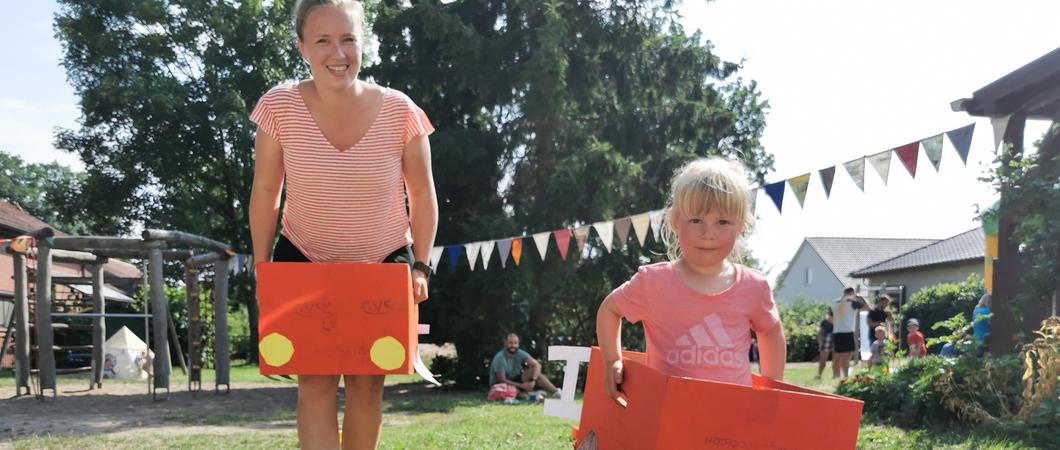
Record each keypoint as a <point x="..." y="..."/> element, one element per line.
<point x="122" y="407"/>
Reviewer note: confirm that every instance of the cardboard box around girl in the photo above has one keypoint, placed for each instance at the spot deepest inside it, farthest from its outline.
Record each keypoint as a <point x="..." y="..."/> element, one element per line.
<point x="333" y="319"/>
<point x="667" y="412"/>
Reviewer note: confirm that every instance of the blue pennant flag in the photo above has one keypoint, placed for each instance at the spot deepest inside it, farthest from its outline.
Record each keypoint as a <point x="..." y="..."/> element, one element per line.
<point x="454" y="255"/>
<point x="776" y="192"/>
<point x="961" y="138"/>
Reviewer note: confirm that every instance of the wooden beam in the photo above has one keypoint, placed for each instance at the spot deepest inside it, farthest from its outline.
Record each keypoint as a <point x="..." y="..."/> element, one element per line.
<point x="89" y="243"/>
<point x="188" y="239"/>
<point x="161" y="337"/>
<point x="204" y="259"/>
<point x="45" y="339"/>
<point x="1008" y="269"/>
<point x="168" y="255"/>
<point x="220" y="329"/>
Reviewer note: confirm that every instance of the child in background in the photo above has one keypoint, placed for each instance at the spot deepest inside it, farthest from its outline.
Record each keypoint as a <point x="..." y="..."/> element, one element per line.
<point x="824" y="345"/>
<point x="876" y="360"/>
<point x="698" y="308"/>
<point x="915" y="339"/>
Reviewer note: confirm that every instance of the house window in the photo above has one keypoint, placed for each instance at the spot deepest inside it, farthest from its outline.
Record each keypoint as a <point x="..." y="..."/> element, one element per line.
<point x="809" y="276"/>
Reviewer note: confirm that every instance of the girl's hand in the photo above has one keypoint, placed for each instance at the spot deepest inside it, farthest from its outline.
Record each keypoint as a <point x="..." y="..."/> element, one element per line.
<point x="419" y="286"/>
<point x="612" y="380"/>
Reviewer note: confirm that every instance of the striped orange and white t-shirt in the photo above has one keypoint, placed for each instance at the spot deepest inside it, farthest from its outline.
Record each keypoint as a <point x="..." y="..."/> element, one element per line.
<point x="343" y="205"/>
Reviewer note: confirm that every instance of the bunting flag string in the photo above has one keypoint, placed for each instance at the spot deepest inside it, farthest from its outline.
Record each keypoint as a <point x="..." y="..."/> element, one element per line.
<point x="609" y="230"/>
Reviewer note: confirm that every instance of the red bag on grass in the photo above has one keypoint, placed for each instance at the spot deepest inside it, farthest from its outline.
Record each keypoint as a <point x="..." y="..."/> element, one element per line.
<point x="500" y="392"/>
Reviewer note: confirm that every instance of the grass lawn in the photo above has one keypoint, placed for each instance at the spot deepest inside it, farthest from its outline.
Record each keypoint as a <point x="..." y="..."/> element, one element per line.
<point x="418" y="418"/>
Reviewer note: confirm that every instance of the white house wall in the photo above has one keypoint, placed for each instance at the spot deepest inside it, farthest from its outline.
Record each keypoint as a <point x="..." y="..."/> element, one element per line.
<point x="822" y="285"/>
<point x="917" y="279"/>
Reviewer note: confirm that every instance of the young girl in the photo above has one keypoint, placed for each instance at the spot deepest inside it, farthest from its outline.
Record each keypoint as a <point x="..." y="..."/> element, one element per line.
<point x="700" y="307"/>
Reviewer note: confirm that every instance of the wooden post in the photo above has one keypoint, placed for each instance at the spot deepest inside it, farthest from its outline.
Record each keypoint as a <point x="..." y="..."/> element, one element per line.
<point x="161" y="338"/>
<point x="220" y="324"/>
<point x="191" y="282"/>
<point x="99" y="326"/>
<point x="22" y="366"/>
<point x="45" y="340"/>
<point x="1008" y="268"/>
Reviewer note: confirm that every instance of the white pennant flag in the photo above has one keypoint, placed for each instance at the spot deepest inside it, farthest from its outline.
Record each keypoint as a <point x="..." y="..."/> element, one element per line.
<point x="640" y="227"/>
<point x="1000" y="124"/>
<point x="436" y="255"/>
<point x="487" y="251"/>
<point x="472" y="253"/>
<point x="606" y="231"/>
<point x="656" y="222"/>
<point x="541" y="241"/>
<point x="882" y="163"/>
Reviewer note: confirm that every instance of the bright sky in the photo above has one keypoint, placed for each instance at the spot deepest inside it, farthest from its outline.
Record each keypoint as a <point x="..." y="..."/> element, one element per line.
<point x="844" y="78"/>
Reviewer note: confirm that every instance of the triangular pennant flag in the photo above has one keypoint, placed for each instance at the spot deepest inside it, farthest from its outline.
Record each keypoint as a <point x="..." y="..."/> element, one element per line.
<point x="656" y="218"/>
<point x="581" y="236"/>
<point x="799" y="185"/>
<point x="562" y="241"/>
<point x="606" y="231"/>
<point x="856" y="169"/>
<point x="454" y="255"/>
<point x="517" y="250"/>
<point x="1000" y="124"/>
<point x="961" y="138"/>
<point x="541" y="241"/>
<point x="882" y="163"/>
<point x="776" y="192"/>
<point x="754" y="201"/>
<point x="908" y="154"/>
<point x="472" y="251"/>
<point x="622" y="230"/>
<point x="640" y="227"/>
<point x="933" y="150"/>
<point x="504" y="247"/>
<point x="827" y="177"/>
<point x="436" y="255"/>
<point x="487" y="252"/>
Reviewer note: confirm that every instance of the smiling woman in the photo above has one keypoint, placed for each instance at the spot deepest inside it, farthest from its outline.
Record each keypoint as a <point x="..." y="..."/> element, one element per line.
<point x="349" y="153"/>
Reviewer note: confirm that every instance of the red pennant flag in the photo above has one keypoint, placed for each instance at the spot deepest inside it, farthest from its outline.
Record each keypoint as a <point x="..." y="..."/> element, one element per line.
<point x="562" y="241"/>
<point x="908" y="155"/>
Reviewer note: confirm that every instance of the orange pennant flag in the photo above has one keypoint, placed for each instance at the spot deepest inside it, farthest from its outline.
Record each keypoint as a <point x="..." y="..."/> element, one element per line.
<point x="517" y="249"/>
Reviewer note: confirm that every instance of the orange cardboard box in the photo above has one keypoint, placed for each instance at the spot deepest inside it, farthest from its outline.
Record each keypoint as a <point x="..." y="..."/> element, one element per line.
<point x="335" y="319"/>
<point x="667" y="412"/>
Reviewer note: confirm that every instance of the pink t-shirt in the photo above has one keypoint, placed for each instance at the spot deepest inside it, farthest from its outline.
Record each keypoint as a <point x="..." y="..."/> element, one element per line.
<point x="696" y="335"/>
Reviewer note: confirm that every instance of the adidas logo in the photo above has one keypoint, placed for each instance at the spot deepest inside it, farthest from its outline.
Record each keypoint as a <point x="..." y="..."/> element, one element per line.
<point x="704" y="345"/>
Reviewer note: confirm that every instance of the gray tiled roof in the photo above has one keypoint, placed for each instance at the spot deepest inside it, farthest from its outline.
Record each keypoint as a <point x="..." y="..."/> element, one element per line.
<point x="967" y="246"/>
<point x="844" y="255"/>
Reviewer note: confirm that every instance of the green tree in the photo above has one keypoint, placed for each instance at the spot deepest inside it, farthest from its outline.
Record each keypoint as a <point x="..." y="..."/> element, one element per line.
<point x="166" y="87"/>
<point x="567" y="112"/>
<point x="42" y="190"/>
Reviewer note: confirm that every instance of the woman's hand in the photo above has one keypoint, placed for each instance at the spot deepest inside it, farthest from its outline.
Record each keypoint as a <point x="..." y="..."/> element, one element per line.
<point x="419" y="286"/>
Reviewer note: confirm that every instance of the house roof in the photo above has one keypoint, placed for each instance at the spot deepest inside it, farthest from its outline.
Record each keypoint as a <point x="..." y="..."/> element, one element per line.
<point x="843" y="255"/>
<point x="18" y="221"/>
<point x="967" y="246"/>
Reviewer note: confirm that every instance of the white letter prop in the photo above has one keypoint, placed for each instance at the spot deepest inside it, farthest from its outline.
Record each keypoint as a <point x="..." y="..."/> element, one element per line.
<point x="565" y="406"/>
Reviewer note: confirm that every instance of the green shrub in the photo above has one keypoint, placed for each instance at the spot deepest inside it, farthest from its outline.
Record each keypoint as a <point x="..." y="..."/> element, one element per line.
<point x="801" y="320"/>
<point x="942" y="301"/>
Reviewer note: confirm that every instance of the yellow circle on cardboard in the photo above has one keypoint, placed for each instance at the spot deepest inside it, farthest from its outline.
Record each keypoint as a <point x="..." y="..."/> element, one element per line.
<point x="387" y="353"/>
<point x="276" y="349"/>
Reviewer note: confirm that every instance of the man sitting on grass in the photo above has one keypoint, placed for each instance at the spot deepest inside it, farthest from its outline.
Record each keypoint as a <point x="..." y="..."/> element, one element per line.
<point x="511" y="365"/>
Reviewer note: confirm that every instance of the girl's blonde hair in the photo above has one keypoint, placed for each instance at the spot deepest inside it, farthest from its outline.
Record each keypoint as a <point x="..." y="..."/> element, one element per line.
<point x="704" y="185"/>
<point x="304" y="7"/>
